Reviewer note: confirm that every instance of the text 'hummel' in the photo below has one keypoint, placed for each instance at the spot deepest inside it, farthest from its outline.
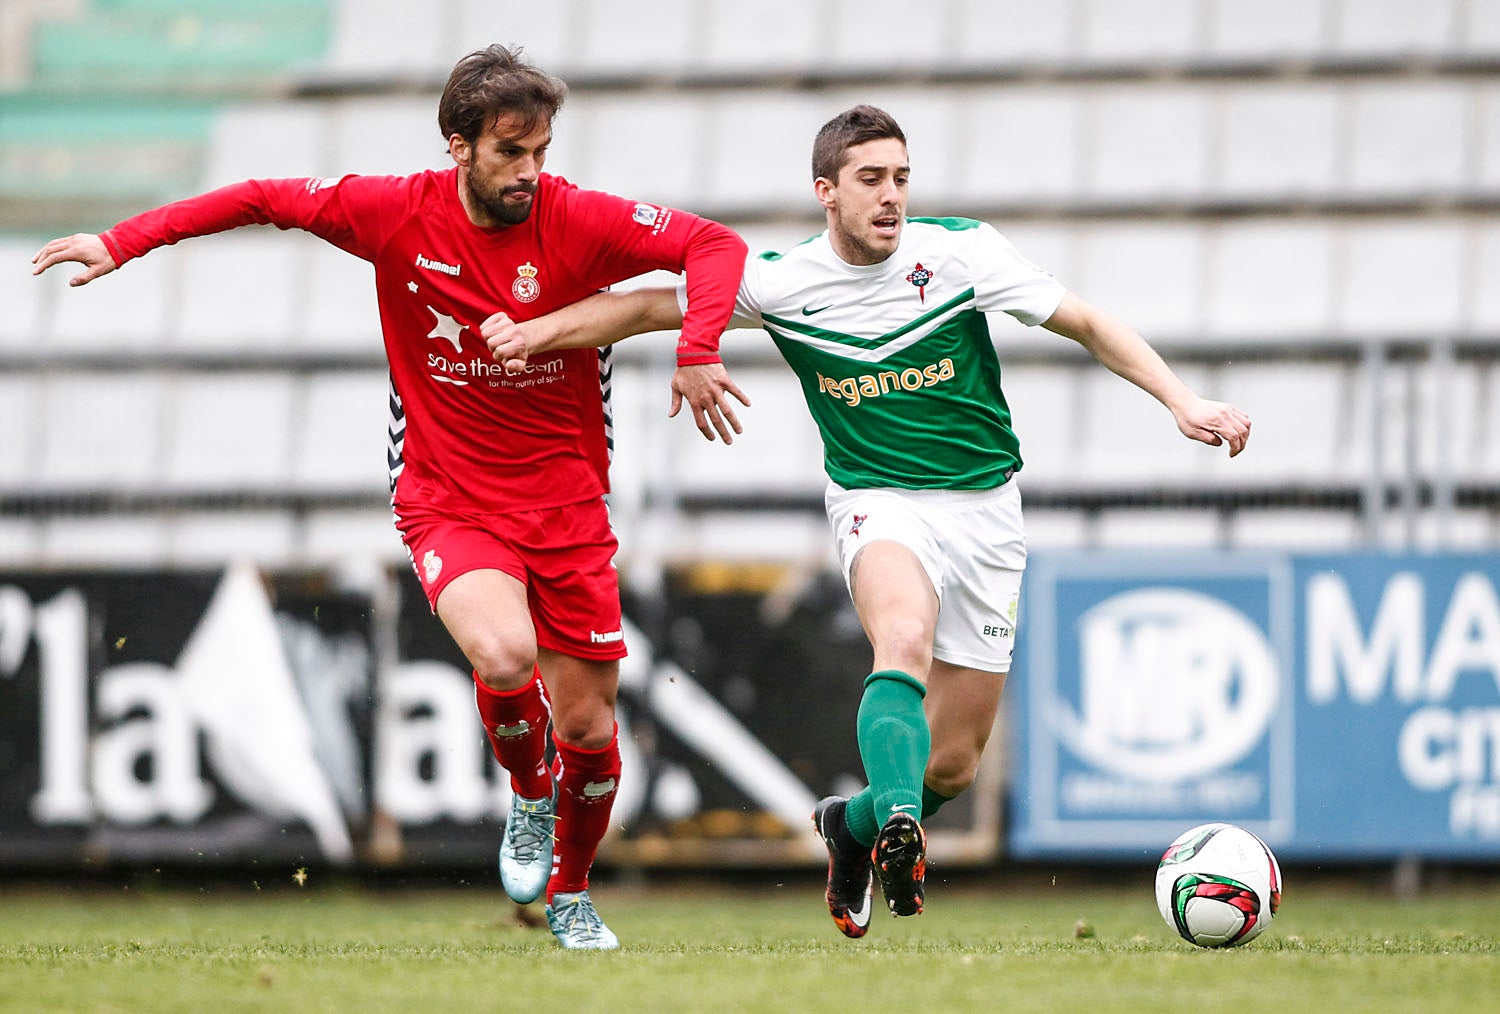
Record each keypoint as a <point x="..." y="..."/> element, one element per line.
<point x="447" y="269"/>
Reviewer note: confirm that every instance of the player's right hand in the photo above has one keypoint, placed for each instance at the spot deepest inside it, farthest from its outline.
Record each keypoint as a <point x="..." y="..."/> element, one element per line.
<point x="506" y="340"/>
<point x="81" y="248"/>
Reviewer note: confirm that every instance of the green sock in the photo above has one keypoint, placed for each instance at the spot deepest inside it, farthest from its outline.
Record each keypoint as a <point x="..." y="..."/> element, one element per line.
<point x="859" y="817"/>
<point x="859" y="813"/>
<point x="893" y="743"/>
<point x="932" y="802"/>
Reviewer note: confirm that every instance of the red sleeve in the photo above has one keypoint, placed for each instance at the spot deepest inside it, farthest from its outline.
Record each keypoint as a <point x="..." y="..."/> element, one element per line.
<point x="346" y="212"/>
<point x="715" y="259"/>
<point x="619" y="239"/>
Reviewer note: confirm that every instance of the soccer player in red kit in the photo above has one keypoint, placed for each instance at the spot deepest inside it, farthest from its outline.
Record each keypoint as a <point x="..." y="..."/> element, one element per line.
<point x="498" y="480"/>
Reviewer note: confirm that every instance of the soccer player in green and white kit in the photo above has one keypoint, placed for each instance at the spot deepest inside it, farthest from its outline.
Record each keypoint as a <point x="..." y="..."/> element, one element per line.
<point x="882" y="319"/>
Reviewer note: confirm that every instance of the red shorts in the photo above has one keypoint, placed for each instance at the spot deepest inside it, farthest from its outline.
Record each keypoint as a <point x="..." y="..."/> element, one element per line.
<point x="563" y="555"/>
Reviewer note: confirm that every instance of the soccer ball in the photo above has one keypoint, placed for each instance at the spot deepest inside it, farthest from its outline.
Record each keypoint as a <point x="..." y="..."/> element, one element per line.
<point x="1218" y="885"/>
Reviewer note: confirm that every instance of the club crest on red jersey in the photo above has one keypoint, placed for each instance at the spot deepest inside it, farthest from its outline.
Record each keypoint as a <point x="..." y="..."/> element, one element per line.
<point x="919" y="277"/>
<point x="526" y="288"/>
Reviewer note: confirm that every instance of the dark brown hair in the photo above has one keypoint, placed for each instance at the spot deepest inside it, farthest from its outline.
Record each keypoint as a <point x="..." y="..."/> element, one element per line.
<point x="844" y="131"/>
<point x="492" y="82"/>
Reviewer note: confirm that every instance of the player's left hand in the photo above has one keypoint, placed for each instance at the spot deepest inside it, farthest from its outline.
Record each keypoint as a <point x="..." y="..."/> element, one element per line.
<point x="1215" y="423"/>
<point x="706" y="387"/>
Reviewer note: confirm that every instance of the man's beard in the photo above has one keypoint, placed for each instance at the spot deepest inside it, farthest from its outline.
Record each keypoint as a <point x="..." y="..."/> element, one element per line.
<point x="852" y="232"/>
<point x="495" y="204"/>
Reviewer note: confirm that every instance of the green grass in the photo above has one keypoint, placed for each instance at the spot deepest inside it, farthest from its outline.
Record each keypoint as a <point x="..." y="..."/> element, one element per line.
<point x="703" y="947"/>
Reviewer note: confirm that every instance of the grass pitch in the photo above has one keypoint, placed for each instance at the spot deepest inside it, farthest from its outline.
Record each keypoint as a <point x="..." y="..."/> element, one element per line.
<point x="1016" y="946"/>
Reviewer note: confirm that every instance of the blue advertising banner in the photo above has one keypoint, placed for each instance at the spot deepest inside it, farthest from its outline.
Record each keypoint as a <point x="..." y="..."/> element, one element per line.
<point x="1338" y="706"/>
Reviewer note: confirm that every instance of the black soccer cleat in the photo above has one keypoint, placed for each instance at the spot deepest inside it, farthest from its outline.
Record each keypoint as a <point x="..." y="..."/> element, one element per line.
<point x="850" y="876"/>
<point x="900" y="859"/>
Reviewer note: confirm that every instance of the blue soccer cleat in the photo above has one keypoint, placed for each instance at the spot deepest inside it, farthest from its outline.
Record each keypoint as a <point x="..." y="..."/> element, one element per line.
<point x="577" y="926"/>
<point x="526" y="848"/>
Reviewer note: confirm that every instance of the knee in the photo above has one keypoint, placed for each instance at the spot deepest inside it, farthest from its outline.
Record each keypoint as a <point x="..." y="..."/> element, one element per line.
<point x="950" y="771"/>
<point x="584" y="725"/>
<point x="502" y="664"/>
<point x="906" y="643"/>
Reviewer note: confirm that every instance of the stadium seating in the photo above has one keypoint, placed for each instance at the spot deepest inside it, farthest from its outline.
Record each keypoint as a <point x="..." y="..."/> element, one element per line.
<point x="1154" y="527"/>
<point x="265" y="537"/>
<point x="779" y="453"/>
<point x="1269" y="279"/>
<point x="1402" y="277"/>
<point x="266" y="140"/>
<point x="340" y="443"/>
<point x="229" y="431"/>
<point x="1307" y="529"/>
<point x="338" y="300"/>
<point x="377" y="40"/>
<point x="235" y="295"/>
<point x="1308" y="428"/>
<point x="1045" y="408"/>
<point x="353" y="538"/>
<point x="20" y="293"/>
<point x="1265" y="32"/>
<point x="111" y="317"/>
<point x="20" y="408"/>
<point x="741" y="41"/>
<point x="1055" y="528"/>
<point x="1297" y="201"/>
<point x="131" y="541"/>
<point x="616" y="143"/>
<point x="99" y="431"/>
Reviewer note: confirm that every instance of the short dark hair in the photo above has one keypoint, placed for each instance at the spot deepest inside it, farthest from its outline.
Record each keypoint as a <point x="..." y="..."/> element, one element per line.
<point x="493" y="82"/>
<point x="844" y="131"/>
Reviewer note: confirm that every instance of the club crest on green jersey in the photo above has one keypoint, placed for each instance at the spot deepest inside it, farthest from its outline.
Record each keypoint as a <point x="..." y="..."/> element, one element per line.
<point x="919" y="277"/>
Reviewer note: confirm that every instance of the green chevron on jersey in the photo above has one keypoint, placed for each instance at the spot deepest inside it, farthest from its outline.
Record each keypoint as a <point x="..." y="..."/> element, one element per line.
<point x="898" y="367"/>
<point x="828" y="335"/>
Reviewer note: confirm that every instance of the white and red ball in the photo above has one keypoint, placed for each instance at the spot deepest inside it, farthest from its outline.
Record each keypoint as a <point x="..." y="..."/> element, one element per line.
<point x="1218" y="885"/>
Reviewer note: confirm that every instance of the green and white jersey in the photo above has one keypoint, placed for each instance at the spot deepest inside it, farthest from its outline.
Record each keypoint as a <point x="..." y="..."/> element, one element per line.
<point x="896" y="359"/>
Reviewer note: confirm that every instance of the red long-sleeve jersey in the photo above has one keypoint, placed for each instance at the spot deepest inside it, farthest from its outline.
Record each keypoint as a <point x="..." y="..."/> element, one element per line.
<point x="465" y="437"/>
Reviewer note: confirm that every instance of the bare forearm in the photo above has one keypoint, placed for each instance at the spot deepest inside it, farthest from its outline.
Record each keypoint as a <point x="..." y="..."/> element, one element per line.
<point x="1116" y="345"/>
<point x="1120" y="349"/>
<point x="605" y="318"/>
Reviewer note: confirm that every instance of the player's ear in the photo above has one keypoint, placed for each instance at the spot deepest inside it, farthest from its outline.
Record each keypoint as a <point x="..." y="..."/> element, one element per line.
<point x="460" y="149"/>
<point x="823" y="190"/>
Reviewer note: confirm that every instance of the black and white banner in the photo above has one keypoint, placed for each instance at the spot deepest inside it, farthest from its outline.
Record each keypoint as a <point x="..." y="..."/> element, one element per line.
<point x="238" y="718"/>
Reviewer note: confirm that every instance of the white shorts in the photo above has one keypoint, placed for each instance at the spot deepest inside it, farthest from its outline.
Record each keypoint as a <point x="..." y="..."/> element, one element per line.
<point x="970" y="543"/>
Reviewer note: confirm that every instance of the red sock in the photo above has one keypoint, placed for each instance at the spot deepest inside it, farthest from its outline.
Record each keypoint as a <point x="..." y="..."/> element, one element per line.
<point x="585" y="795"/>
<point x="516" y="723"/>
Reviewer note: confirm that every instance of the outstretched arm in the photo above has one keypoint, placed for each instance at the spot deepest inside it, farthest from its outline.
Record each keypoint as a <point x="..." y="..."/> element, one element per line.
<point x="605" y="318"/>
<point x="1117" y="346"/>
<point x="345" y="212"/>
